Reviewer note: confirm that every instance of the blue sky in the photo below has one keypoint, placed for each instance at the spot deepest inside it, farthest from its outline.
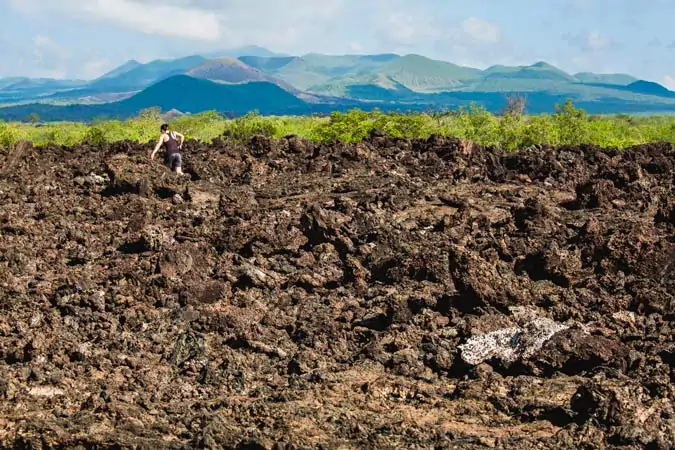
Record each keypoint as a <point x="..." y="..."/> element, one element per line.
<point x="85" y="38"/>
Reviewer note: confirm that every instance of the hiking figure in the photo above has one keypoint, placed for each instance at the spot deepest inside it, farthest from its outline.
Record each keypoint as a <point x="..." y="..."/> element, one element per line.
<point x="172" y="157"/>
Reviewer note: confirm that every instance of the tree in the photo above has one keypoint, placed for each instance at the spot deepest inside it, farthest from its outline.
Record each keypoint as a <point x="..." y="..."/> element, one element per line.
<point x="572" y="123"/>
<point x="515" y="106"/>
<point x="33" y="118"/>
<point x="154" y="114"/>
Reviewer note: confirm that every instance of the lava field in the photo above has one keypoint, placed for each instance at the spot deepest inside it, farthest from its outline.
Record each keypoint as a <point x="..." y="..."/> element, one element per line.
<point x="284" y="294"/>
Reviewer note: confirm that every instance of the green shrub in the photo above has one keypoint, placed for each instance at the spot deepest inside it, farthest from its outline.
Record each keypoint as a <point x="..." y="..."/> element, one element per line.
<point x="199" y="126"/>
<point x="568" y="125"/>
<point x="9" y="136"/>
<point x="245" y="127"/>
<point x="572" y="124"/>
<point x="95" y="135"/>
<point x="355" y="125"/>
<point x="405" y="125"/>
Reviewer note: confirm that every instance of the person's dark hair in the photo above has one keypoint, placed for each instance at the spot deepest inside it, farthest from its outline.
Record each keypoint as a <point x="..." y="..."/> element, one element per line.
<point x="164" y="127"/>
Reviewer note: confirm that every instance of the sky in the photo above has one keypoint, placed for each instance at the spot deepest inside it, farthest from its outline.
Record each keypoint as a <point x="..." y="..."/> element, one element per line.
<point x="85" y="38"/>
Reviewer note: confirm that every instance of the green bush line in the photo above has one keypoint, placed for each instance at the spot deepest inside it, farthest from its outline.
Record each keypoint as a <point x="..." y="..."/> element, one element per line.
<point x="567" y="126"/>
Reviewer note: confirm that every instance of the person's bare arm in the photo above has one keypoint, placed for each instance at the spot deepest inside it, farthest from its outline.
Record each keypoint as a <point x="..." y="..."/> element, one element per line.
<point x="182" y="138"/>
<point x="157" y="147"/>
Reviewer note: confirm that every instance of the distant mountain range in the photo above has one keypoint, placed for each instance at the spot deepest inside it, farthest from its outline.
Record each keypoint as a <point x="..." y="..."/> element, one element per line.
<point x="253" y="78"/>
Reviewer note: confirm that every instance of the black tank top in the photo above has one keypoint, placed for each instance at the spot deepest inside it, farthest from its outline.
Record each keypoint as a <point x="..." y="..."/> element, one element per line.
<point x="171" y="146"/>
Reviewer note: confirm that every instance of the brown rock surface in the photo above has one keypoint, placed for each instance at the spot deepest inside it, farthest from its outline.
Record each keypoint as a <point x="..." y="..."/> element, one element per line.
<point x="290" y="295"/>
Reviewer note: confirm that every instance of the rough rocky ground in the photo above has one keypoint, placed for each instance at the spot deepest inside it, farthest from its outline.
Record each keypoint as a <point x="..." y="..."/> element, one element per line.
<point x="288" y="295"/>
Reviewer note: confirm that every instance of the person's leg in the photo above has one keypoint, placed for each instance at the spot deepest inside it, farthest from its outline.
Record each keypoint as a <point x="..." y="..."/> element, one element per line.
<point x="178" y="162"/>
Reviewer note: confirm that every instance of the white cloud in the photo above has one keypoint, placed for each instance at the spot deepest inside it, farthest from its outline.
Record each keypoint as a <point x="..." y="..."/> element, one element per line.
<point x="471" y="41"/>
<point x="481" y="30"/>
<point x="95" y="68"/>
<point x="405" y="30"/>
<point x="591" y="41"/>
<point x="183" y="26"/>
<point x="152" y="17"/>
<point x="669" y="82"/>
<point x="596" y="41"/>
<point x="43" y="46"/>
<point x="49" y="55"/>
<point x="155" y="18"/>
<point x="291" y="26"/>
<point x="355" y="47"/>
<point x="43" y="56"/>
<point x="459" y="33"/>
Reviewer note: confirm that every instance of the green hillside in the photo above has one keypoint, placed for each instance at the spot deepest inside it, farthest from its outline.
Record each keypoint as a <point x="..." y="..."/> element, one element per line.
<point x="537" y="71"/>
<point x="401" y="78"/>
<point x="315" y="69"/>
<point x="8" y="81"/>
<point x="649" y="88"/>
<point x="609" y="78"/>
<point x="334" y="65"/>
<point x="267" y="64"/>
<point x="269" y="99"/>
<point x="496" y="69"/>
<point x="195" y="96"/>
<point x="128" y="78"/>
<point x="424" y="75"/>
<point x="427" y="75"/>
<point x="26" y="84"/>
<point x="18" y="88"/>
<point x="232" y="70"/>
<point x="344" y="86"/>
<point x="202" y="95"/>
<point x="245" y="51"/>
<point x="124" y="68"/>
<point x="276" y="83"/>
<point x="147" y="74"/>
<point x="334" y="74"/>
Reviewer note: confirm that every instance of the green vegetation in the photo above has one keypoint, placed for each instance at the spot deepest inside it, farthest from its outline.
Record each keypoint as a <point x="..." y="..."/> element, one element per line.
<point x="511" y="131"/>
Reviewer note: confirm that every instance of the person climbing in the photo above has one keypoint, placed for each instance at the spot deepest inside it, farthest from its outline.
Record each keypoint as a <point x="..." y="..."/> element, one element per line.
<point x="172" y="155"/>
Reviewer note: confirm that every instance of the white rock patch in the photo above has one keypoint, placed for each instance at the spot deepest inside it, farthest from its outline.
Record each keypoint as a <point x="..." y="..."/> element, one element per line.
<point x="46" y="391"/>
<point x="510" y="344"/>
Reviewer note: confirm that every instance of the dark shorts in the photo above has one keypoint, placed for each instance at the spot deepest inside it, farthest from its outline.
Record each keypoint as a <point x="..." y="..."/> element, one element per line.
<point x="173" y="161"/>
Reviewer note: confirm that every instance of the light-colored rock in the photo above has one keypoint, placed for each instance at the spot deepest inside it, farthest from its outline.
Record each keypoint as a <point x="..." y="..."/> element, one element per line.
<point x="510" y="344"/>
